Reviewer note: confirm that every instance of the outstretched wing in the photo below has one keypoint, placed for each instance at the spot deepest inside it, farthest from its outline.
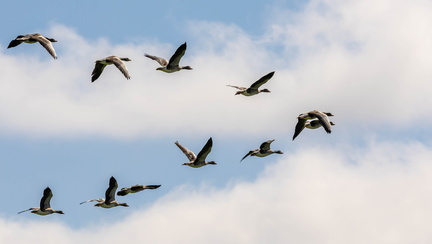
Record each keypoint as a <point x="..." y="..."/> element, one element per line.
<point x="249" y="153"/>
<point x="110" y="192"/>
<point x="205" y="150"/>
<point x="265" y="146"/>
<point x="299" y="127"/>
<point x="121" y="66"/>
<point x="175" y="58"/>
<point x="94" y="200"/>
<point x="161" y="61"/>
<point x="189" y="154"/>
<point x="46" y="44"/>
<point x="45" y="200"/>
<point x="238" y="87"/>
<point x="323" y="119"/>
<point x="26" y="210"/>
<point x="97" y="71"/>
<point x="262" y="80"/>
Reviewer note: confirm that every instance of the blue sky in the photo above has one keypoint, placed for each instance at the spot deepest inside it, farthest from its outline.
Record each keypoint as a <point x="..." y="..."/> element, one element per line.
<point x="366" y="62"/>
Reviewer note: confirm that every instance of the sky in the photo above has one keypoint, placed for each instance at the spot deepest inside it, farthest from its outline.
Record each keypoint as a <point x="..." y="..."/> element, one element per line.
<point x="367" y="62"/>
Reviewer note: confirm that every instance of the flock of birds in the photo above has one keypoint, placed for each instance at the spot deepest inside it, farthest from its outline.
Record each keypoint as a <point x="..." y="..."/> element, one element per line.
<point x="311" y="120"/>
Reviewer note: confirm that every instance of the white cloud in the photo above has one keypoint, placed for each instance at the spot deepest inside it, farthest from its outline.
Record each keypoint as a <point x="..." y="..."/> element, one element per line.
<point x="379" y="194"/>
<point x="366" y="62"/>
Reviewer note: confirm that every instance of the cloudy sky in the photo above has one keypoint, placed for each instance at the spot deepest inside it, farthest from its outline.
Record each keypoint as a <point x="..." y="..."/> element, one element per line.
<point x="368" y="62"/>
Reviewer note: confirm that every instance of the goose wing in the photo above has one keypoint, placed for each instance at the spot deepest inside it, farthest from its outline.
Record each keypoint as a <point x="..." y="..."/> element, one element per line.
<point x="175" y="58"/>
<point x="249" y="153"/>
<point x="238" y="87"/>
<point x="265" y="146"/>
<point x="205" y="150"/>
<point x="45" y="201"/>
<point x="18" y="40"/>
<point x="323" y="119"/>
<point x="46" y="44"/>
<point x="151" y="187"/>
<point x="110" y="192"/>
<point x="189" y="154"/>
<point x="124" y="191"/>
<point x="121" y="66"/>
<point x="262" y="80"/>
<point x="97" y="71"/>
<point x="161" y="61"/>
<point x="26" y="210"/>
<point x="14" y="43"/>
<point x="94" y="200"/>
<point x="299" y="127"/>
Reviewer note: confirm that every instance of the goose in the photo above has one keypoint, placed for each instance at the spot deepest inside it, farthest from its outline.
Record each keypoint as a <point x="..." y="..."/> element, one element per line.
<point x="263" y="151"/>
<point x="45" y="207"/>
<point x="136" y="188"/>
<point x="253" y="89"/>
<point x="46" y="42"/>
<point x="173" y="64"/>
<point x="102" y="63"/>
<point x="109" y="200"/>
<point x="197" y="161"/>
<point x="314" y="114"/>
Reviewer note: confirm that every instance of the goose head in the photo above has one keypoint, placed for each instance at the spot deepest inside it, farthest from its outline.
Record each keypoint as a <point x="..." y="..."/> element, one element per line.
<point x="186" y="67"/>
<point x="264" y="90"/>
<point x="212" y="162"/>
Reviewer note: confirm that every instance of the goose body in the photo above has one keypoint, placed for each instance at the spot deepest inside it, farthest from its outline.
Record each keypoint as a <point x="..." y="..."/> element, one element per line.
<point x="46" y="42"/>
<point x="109" y="200"/>
<point x="318" y="119"/>
<point x="254" y="88"/>
<point x="173" y="64"/>
<point x="136" y="188"/>
<point x="102" y="63"/>
<point x="263" y="151"/>
<point x="45" y="207"/>
<point x="197" y="161"/>
<point x="315" y="124"/>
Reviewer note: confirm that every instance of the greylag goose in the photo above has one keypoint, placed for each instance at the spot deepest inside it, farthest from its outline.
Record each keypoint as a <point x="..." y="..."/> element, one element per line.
<point x="314" y="114"/>
<point x="136" y="188"/>
<point x="173" y="64"/>
<point x="254" y="88"/>
<point x="44" y="208"/>
<point x="46" y="42"/>
<point x="197" y="161"/>
<point x="109" y="200"/>
<point x="263" y="151"/>
<point x="102" y="63"/>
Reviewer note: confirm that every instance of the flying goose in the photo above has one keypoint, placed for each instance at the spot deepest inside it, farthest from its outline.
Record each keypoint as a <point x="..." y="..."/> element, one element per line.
<point x="173" y="64"/>
<point x="45" y="207"/>
<point x="253" y="89"/>
<point x="109" y="200"/>
<point x="136" y="188"/>
<point x="102" y="63"/>
<point x="197" y="161"/>
<point x="33" y="38"/>
<point x="314" y="114"/>
<point x="263" y="151"/>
